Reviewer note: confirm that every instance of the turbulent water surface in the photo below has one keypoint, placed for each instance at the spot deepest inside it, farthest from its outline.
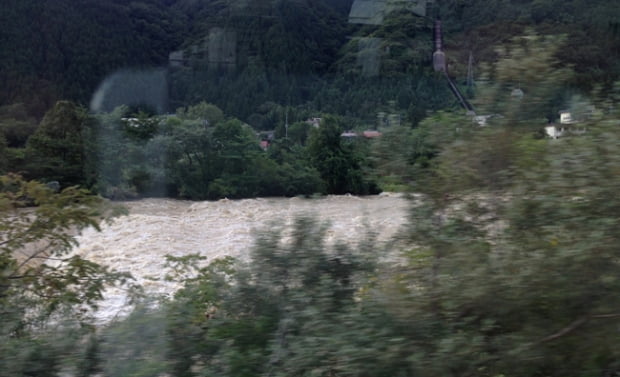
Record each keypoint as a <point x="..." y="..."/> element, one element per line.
<point x="138" y="242"/>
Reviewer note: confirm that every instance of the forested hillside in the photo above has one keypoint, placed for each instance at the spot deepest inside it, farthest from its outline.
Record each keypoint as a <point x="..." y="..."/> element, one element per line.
<point x="51" y="50"/>
<point x="288" y="52"/>
<point x="270" y="64"/>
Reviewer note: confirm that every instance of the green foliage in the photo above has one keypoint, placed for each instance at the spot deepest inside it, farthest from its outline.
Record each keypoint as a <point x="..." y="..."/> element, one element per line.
<point x="297" y="132"/>
<point x="527" y="64"/>
<point x="509" y="263"/>
<point x="185" y="157"/>
<point x="287" y="52"/>
<point x="403" y="47"/>
<point x="221" y="165"/>
<point x="140" y="127"/>
<point x="30" y="238"/>
<point x="202" y="111"/>
<point x="54" y="51"/>
<point x="252" y="320"/>
<point x="45" y="291"/>
<point x="16" y="125"/>
<point x="340" y="164"/>
<point x="403" y="156"/>
<point x="507" y="267"/>
<point x="55" y="152"/>
<point x="133" y="347"/>
<point x="4" y="158"/>
<point x="513" y="250"/>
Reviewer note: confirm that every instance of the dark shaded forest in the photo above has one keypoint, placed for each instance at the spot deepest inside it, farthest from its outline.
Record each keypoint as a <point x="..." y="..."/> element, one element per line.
<point x="287" y="52"/>
<point x="265" y="65"/>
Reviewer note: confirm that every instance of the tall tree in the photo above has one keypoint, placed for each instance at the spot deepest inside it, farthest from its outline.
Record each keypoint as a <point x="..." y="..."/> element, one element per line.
<point x="338" y="162"/>
<point x="56" y="149"/>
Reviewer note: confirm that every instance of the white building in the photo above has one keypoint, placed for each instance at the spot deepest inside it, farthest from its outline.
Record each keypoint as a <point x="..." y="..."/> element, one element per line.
<point x="568" y="125"/>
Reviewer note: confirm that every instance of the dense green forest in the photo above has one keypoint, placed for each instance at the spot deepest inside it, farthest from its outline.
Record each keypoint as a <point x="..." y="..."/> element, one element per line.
<point x="288" y="52"/>
<point x="199" y="153"/>
<point x="265" y="64"/>
<point x="506" y="267"/>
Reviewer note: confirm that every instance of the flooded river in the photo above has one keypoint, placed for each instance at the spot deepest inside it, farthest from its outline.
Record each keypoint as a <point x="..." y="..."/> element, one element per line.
<point x="138" y="242"/>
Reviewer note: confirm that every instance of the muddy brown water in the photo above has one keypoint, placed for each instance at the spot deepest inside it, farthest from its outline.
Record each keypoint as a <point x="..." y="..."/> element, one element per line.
<point x="138" y="242"/>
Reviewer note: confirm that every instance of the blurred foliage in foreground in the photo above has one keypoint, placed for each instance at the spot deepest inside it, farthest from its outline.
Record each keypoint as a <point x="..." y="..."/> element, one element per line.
<point x="45" y="292"/>
<point x="508" y="267"/>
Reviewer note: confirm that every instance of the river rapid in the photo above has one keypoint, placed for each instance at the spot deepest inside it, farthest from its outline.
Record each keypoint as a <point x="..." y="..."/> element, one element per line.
<point x="138" y="242"/>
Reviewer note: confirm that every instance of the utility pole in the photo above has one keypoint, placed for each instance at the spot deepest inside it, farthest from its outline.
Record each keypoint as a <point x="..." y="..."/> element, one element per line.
<point x="286" y="124"/>
<point x="470" y="71"/>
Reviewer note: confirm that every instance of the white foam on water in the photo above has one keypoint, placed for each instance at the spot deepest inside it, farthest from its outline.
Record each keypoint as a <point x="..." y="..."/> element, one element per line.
<point x="138" y="243"/>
